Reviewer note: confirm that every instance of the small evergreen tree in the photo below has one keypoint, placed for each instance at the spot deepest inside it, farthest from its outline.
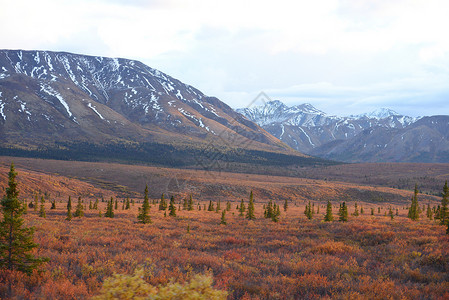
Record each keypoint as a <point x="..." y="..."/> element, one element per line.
<point x="218" y="206"/>
<point x="163" y="203"/>
<point x="110" y="209"/>
<point x="285" y="205"/>
<point x="172" y="207"/>
<point x="343" y="213"/>
<point x="228" y="206"/>
<point x="79" y="212"/>
<point x="361" y="210"/>
<point x="308" y="211"/>
<point x="414" y="210"/>
<point x="329" y="217"/>
<point x="127" y="204"/>
<point x="116" y="204"/>
<point x="96" y="203"/>
<point x="250" y="212"/>
<point x="42" y="213"/>
<point x="276" y="213"/>
<point x="429" y="213"/>
<point x="16" y="240"/>
<point x="223" y="217"/>
<point x="356" y="210"/>
<point x="242" y="208"/>
<point x="69" y="209"/>
<point x="90" y="204"/>
<point x="190" y="203"/>
<point x="390" y="213"/>
<point x="211" y="206"/>
<point x="372" y="211"/>
<point x="144" y="211"/>
<point x="268" y="212"/>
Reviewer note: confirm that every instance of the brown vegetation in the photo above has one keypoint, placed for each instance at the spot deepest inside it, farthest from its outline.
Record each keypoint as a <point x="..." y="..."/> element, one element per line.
<point x="295" y="258"/>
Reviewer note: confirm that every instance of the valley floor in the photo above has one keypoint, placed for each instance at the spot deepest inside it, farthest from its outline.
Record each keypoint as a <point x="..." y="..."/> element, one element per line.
<point x="370" y="257"/>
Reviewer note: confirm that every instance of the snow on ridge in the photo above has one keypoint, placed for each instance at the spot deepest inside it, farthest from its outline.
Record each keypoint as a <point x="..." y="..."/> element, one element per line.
<point x="50" y="91"/>
<point x="95" y="110"/>
<point x="2" y="106"/>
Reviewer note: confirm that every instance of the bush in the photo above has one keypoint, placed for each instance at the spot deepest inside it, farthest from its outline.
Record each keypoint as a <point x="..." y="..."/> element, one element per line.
<point x="122" y="286"/>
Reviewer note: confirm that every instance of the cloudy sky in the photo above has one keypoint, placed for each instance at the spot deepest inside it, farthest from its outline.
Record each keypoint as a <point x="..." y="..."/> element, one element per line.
<point x="343" y="56"/>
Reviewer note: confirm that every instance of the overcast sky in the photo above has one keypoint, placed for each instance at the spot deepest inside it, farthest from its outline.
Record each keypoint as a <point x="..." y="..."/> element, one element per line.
<point x="342" y="56"/>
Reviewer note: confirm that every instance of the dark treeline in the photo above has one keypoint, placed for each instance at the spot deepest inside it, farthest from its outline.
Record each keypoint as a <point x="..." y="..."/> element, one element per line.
<point x="164" y="155"/>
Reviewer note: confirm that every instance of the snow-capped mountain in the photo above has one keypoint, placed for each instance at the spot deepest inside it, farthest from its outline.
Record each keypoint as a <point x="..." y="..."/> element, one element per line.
<point x="49" y="99"/>
<point x="380" y="113"/>
<point x="304" y="128"/>
<point x="381" y="135"/>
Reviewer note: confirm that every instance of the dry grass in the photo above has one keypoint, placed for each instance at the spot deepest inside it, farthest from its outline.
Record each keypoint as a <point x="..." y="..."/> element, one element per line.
<point x="367" y="257"/>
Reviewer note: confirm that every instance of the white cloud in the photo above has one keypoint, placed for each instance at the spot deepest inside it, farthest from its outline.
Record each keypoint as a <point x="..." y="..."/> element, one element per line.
<point x="369" y="52"/>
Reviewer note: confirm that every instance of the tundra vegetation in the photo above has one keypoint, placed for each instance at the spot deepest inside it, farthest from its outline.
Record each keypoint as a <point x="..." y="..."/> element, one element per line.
<point x="248" y="249"/>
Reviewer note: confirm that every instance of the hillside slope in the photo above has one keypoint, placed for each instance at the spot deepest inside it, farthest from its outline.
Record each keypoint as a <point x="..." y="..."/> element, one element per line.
<point x="70" y="106"/>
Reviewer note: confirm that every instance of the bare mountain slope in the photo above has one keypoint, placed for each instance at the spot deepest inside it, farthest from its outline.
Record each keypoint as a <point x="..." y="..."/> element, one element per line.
<point x="61" y="105"/>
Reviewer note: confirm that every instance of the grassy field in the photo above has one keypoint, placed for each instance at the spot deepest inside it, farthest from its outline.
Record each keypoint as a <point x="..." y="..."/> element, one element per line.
<point x="368" y="257"/>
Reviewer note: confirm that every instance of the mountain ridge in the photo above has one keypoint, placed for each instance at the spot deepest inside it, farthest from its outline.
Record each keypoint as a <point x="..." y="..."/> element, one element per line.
<point x="60" y="101"/>
<point x="356" y="138"/>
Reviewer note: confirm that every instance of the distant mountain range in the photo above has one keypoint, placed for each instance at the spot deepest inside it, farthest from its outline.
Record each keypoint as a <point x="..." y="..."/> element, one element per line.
<point x="380" y="136"/>
<point x="70" y="106"/>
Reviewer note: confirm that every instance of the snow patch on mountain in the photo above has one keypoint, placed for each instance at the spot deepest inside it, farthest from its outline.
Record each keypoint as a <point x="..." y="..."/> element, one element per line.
<point x="50" y="91"/>
<point x="95" y="110"/>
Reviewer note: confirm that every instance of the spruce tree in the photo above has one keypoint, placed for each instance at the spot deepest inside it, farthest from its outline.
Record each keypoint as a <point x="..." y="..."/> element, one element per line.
<point x="390" y="213"/>
<point x="329" y="217"/>
<point x="172" y="207"/>
<point x="242" y="208"/>
<point x="308" y="211"/>
<point x="218" y="206"/>
<point x="372" y="211"/>
<point x="343" y="213"/>
<point x="69" y="209"/>
<point x="361" y="210"/>
<point x="42" y="213"/>
<point x="223" y="217"/>
<point x="190" y="203"/>
<point x="16" y="240"/>
<point x="116" y="204"/>
<point x="144" y="211"/>
<point x="228" y="206"/>
<point x="356" y="210"/>
<point x="250" y="212"/>
<point x="268" y="212"/>
<point x="285" y="205"/>
<point x="79" y="212"/>
<point x="276" y="213"/>
<point x="211" y="206"/>
<point x="110" y="209"/>
<point x="414" y="210"/>
<point x="96" y="203"/>
<point x="127" y="203"/>
<point x="429" y="213"/>
<point x="162" y="203"/>
<point x="444" y="205"/>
